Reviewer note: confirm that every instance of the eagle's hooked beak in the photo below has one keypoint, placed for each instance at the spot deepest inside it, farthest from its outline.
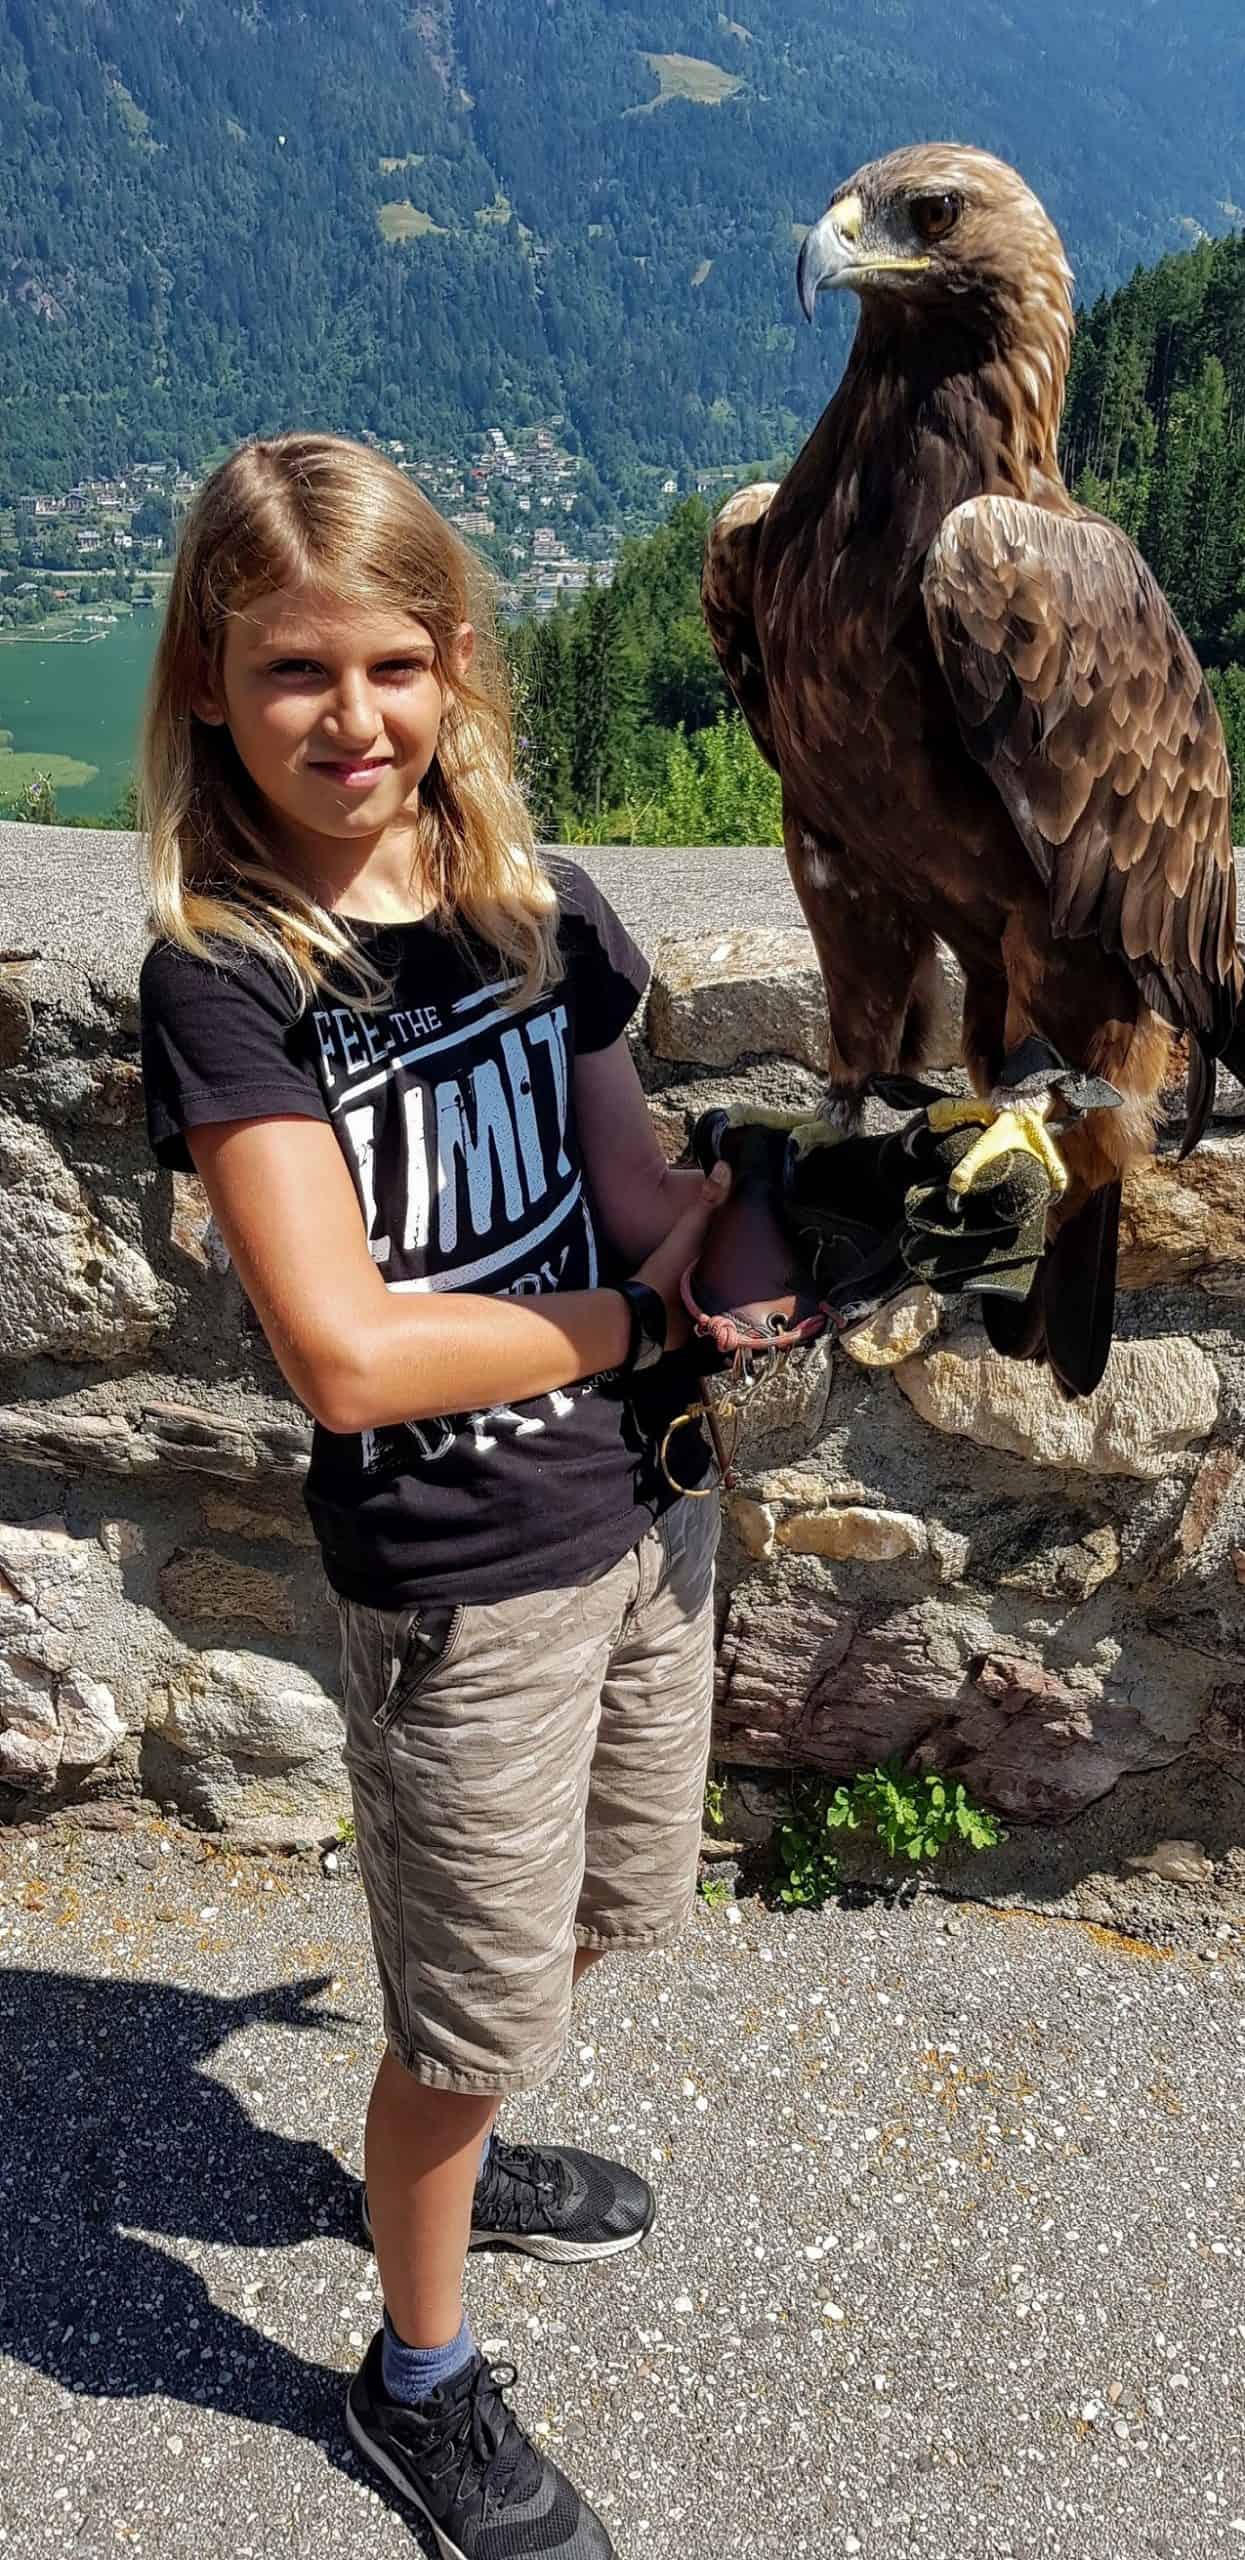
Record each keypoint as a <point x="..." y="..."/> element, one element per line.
<point x="827" y="252"/>
<point x="830" y="255"/>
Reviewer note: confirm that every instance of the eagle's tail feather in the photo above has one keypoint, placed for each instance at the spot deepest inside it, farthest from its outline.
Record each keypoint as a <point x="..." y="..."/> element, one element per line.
<point x="1078" y="1292"/>
<point x="1233" y="1052"/>
<point x="1017" y="1326"/>
<point x="1199" y="1093"/>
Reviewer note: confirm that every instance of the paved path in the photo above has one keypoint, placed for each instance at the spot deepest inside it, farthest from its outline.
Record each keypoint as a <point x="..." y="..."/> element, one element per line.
<point x="77" y="894"/>
<point x="949" y="2261"/>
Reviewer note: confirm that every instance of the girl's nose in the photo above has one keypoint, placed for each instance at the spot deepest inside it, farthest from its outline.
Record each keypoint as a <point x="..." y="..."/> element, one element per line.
<point x="353" y="711"/>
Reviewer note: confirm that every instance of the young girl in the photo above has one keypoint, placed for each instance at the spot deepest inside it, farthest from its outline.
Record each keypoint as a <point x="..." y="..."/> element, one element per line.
<point x="392" y="1046"/>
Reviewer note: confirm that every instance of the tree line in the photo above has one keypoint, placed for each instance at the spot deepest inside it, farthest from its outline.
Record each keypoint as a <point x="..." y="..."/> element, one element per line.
<point x="1154" y="436"/>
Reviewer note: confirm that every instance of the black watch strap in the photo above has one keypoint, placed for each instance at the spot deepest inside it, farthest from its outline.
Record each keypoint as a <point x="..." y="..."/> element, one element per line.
<point x="648" y="1327"/>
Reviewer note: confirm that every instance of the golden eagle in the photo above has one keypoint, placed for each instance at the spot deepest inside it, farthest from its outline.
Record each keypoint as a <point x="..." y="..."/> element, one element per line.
<point x="988" y="723"/>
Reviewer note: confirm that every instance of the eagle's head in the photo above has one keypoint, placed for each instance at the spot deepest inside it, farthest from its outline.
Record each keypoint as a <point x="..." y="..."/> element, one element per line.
<point x="937" y="226"/>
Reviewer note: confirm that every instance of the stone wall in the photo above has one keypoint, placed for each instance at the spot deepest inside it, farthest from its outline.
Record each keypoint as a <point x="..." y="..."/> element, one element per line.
<point x="927" y="1550"/>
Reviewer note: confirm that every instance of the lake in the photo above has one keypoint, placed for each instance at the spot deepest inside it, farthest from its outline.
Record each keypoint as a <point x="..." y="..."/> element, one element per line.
<point x="79" y="700"/>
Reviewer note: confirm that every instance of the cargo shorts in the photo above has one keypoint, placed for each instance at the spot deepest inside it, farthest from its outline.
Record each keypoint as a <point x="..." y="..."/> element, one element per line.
<point x="528" y="1777"/>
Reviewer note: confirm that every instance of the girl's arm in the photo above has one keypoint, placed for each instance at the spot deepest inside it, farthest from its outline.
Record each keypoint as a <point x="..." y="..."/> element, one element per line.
<point x="639" y="1195"/>
<point x="359" y="1355"/>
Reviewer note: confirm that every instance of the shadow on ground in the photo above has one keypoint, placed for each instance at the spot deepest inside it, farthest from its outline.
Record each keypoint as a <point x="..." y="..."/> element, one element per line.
<point x="112" y="2126"/>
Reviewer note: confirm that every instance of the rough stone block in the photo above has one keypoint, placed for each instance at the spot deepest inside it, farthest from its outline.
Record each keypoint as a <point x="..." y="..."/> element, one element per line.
<point x="1158" y="1398"/>
<point x="73" y="1290"/>
<point x="77" y="1442"/>
<point x="17" y="1019"/>
<point x="221" y="1511"/>
<point x="852" y="1533"/>
<point x="201" y="1583"/>
<point x="121" y="1540"/>
<point x="1183" y="1225"/>
<point x="716" y="998"/>
<point x="241" y="1705"/>
<point x="897" y="1332"/>
<point x="90" y="1725"/>
<point x="754" y="1522"/>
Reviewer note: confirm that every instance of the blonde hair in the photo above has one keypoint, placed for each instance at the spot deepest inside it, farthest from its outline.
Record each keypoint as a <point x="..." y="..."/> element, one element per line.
<point x="281" y="513"/>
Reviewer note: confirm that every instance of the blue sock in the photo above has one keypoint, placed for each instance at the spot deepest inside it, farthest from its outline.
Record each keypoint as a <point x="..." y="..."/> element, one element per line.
<point x="413" y="2373"/>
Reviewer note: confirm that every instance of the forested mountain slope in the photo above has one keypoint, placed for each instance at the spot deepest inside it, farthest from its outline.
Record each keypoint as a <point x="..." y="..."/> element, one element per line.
<point x="421" y="219"/>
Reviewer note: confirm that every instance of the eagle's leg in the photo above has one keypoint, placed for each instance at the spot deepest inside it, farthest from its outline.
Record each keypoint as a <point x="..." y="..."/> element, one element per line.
<point x="879" y="968"/>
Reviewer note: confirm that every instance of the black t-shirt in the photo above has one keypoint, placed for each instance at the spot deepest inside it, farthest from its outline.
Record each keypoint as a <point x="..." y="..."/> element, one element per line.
<point x="456" y="1117"/>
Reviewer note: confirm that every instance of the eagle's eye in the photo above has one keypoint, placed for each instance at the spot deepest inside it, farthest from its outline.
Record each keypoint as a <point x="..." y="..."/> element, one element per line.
<point x="934" y="216"/>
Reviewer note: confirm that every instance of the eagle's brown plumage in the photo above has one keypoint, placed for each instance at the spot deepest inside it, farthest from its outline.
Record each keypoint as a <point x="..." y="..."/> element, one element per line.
<point x="988" y="723"/>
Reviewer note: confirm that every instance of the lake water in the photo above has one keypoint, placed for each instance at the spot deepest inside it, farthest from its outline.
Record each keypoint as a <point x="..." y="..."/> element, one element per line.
<point x="80" y="699"/>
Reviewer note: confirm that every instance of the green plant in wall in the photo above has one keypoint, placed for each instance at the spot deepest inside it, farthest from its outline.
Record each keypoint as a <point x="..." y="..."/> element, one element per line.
<point x="912" y="1817"/>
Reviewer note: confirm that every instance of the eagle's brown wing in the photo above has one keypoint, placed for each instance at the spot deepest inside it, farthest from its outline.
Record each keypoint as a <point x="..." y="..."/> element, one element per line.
<point x="726" y="601"/>
<point x="1076" y="689"/>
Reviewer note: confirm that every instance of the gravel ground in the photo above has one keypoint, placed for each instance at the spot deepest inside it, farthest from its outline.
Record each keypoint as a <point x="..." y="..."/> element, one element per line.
<point x="948" y="2260"/>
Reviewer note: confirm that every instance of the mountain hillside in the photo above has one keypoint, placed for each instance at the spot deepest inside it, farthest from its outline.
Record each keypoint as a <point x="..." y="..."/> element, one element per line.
<point x="424" y="218"/>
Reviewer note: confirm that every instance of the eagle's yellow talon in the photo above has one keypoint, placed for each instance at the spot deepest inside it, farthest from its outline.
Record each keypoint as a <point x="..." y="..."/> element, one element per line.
<point x="807" y="1134"/>
<point x="758" y="1115"/>
<point x="1019" y="1130"/>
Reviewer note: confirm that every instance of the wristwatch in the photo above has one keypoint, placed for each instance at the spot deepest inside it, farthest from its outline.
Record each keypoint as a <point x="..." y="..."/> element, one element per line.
<point x="648" y="1327"/>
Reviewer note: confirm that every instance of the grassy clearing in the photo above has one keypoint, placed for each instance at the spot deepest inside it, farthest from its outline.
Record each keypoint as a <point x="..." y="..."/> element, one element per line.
<point x="732" y="27"/>
<point x="701" y="274"/>
<point x="497" y="212"/>
<point x="405" y="221"/>
<point x="409" y="160"/>
<point x="681" y="75"/>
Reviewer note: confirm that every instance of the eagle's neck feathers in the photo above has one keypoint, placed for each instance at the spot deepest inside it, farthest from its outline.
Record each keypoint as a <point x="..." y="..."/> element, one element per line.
<point x="935" y="408"/>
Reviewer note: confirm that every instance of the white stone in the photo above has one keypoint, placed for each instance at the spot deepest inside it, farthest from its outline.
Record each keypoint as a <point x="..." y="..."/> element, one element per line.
<point x="238" y="1702"/>
<point x="853" y="1532"/>
<point x="28" y="1699"/>
<point x="1157" y="1399"/>
<point x="896" y="1332"/>
<point x="121" y="1539"/>
<point x="754" y="1522"/>
<point x="90" y="1725"/>
<point x="48" y="1572"/>
<point x="27" y="1761"/>
<point x="1175" y="1862"/>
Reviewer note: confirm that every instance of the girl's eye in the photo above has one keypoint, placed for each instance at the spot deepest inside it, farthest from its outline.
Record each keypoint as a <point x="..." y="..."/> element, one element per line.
<point x="401" y="668"/>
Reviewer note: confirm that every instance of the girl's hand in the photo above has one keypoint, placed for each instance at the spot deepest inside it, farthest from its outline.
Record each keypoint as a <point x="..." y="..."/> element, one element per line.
<point x="677" y="1251"/>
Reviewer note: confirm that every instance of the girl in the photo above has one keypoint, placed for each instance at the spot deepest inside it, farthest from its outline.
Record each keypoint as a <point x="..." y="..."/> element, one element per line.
<point x="391" y="1044"/>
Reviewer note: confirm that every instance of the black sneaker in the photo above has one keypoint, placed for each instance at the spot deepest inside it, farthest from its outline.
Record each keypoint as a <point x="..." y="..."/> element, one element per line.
<point x="462" y="2458"/>
<point x="566" y="2205"/>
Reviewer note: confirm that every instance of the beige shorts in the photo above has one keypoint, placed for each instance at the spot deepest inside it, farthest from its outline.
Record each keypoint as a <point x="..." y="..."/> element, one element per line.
<point x="528" y="1777"/>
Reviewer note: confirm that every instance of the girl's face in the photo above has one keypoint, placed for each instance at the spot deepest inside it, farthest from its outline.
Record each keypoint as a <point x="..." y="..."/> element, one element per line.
<point x="335" y="711"/>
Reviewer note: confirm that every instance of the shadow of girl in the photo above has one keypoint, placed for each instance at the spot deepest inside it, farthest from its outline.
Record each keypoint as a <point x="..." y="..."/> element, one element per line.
<point x="110" y="2126"/>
